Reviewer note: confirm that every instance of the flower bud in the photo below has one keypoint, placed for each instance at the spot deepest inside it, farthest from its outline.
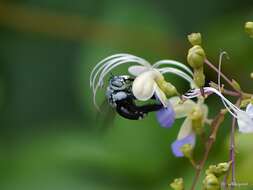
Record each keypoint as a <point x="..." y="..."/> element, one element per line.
<point x="251" y="75"/>
<point x="222" y="168"/>
<point x="196" y="56"/>
<point x="199" y="77"/>
<point x="187" y="150"/>
<point x="197" y="120"/>
<point x="249" y="28"/>
<point x="211" y="169"/>
<point x="211" y="182"/>
<point x="195" y="38"/>
<point x="177" y="184"/>
<point x="218" y="170"/>
<point x="236" y="85"/>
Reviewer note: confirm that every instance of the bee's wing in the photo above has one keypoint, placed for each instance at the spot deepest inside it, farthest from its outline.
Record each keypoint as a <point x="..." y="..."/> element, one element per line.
<point x="105" y="117"/>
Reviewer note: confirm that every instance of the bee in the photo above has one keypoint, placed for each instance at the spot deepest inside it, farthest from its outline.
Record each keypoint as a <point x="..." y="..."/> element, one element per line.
<point x="119" y="95"/>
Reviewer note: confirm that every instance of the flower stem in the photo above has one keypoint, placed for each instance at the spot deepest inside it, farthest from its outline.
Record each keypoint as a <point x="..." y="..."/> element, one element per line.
<point x="232" y="152"/>
<point x="215" y="126"/>
<point x="224" y="91"/>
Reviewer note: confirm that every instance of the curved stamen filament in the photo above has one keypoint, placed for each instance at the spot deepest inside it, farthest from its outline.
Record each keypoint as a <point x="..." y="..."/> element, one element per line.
<point x="103" y="61"/>
<point x="106" y="67"/>
<point x="111" y="60"/>
<point x="109" y="65"/>
<point x="178" y="73"/>
<point x="233" y="110"/>
<point x="174" y="63"/>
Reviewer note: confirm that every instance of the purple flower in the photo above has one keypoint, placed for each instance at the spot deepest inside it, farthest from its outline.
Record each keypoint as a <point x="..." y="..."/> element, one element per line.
<point x="176" y="145"/>
<point x="166" y="116"/>
<point x="186" y="134"/>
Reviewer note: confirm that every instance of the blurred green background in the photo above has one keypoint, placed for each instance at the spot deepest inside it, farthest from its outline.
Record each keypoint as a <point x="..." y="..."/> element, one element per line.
<point x="49" y="137"/>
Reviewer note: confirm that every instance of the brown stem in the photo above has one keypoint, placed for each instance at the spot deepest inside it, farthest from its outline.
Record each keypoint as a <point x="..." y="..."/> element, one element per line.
<point x="215" y="126"/>
<point x="224" y="91"/>
<point x="207" y="62"/>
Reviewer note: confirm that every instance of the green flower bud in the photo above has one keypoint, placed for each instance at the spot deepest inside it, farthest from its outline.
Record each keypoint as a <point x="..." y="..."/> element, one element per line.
<point x="236" y="85"/>
<point x="222" y="168"/>
<point x="211" y="182"/>
<point x="212" y="169"/>
<point x="167" y="88"/>
<point x="218" y="170"/>
<point x="177" y="184"/>
<point x="195" y="38"/>
<point x="187" y="150"/>
<point x="249" y="28"/>
<point x="197" y="120"/>
<point x="196" y="57"/>
<point x="199" y="77"/>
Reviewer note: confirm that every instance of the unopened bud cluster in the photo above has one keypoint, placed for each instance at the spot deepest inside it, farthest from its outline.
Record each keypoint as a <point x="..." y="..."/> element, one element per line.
<point x="211" y="181"/>
<point x="177" y="184"/>
<point x="196" y="57"/>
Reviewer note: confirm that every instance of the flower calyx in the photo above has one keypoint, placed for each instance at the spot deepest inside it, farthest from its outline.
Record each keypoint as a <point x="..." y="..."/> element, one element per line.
<point x="167" y="87"/>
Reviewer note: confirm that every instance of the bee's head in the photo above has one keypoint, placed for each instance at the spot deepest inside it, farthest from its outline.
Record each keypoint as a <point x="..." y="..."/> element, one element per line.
<point x="122" y="82"/>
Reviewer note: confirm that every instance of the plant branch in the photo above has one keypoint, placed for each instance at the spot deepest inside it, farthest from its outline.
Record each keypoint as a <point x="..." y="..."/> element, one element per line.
<point x="207" y="62"/>
<point x="215" y="126"/>
<point x="224" y="91"/>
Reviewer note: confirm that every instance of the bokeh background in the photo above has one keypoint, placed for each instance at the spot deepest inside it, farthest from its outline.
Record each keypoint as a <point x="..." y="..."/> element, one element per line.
<point x="50" y="138"/>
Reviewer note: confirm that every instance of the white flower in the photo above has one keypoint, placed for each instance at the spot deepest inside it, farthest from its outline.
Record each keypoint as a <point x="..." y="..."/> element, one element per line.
<point x="144" y="86"/>
<point x="244" y="118"/>
<point x="186" y="133"/>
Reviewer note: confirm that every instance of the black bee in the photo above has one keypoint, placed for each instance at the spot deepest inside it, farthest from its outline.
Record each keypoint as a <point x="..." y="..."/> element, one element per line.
<point x="119" y="95"/>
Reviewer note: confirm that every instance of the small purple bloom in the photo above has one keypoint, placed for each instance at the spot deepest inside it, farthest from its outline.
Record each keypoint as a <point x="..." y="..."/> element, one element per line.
<point x="166" y="116"/>
<point x="176" y="145"/>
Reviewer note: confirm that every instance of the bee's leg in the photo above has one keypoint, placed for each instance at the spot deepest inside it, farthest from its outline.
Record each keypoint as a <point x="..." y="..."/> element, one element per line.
<point x="149" y="108"/>
<point x="128" y="111"/>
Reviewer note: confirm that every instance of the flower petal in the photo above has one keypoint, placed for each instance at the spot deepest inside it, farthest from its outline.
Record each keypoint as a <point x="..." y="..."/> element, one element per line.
<point x="136" y="70"/>
<point x="249" y="109"/>
<point x="176" y="145"/>
<point x="186" y="129"/>
<point x="245" y="122"/>
<point x="181" y="109"/>
<point x="161" y="96"/>
<point x="166" y="116"/>
<point x="144" y="85"/>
